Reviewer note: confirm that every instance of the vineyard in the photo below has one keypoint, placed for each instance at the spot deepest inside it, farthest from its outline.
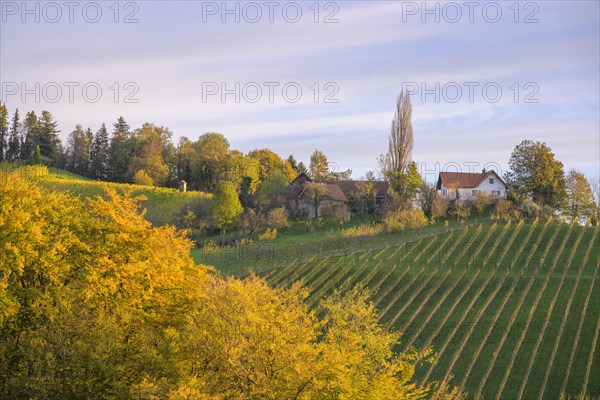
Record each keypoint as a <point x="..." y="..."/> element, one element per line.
<point x="510" y="310"/>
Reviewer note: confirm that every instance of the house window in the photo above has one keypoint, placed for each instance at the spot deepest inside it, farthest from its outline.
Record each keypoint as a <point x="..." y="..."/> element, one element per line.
<point x="491" y="181"/>
<point x="496" y="192"/>
<point x="475" y="192"/>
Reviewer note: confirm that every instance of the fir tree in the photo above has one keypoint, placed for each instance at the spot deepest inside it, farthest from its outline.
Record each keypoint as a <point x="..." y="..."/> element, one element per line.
<point x="99" y="154"/>
<point x="120" y="151"/>
<point x="3" y="132"/>
<point x="14" y="142"/>
<point x="31" y="128"/>
<point x="47" y="137"/>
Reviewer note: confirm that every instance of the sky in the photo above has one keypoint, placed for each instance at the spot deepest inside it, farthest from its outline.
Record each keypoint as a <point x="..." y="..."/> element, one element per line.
<point x="306" y="75"/>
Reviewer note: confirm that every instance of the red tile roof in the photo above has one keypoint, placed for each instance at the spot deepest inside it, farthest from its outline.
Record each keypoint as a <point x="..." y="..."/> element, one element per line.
<point x="465" y="180"/>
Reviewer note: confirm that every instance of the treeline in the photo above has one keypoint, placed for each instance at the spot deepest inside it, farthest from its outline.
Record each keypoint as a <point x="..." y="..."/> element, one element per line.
<point x="148" y="155"/>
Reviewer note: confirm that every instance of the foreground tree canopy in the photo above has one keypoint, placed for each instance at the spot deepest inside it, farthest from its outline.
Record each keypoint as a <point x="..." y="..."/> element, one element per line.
<point x="97" y="303"/>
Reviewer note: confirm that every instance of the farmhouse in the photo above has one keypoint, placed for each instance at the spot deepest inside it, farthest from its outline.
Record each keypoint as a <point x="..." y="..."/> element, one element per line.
<point x="335" y="197"/>
<point x="467" y="185"/>
<point x="306" y="198"/>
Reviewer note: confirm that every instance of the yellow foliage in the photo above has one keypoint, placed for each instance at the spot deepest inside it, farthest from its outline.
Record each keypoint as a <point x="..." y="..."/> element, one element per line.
<point x="95" y="302"/>
<point x="270" y="234"/>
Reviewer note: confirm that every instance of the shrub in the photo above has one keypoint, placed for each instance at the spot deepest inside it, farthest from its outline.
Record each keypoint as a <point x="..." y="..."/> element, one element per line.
<point x="361" y="230"/>
<point x="278" y="218"/>
<point x="142" y="178"/>
<point x="398" y="220"/>
<point x="460" y="209"/>
<point x="270" y="234"/>
<point x="249" y="221"/>
<point x="193" y="217"/>
<point x="531" y="210"/>
<point x="505" y="210"/>
<point x="482" y="201"/>
<point x="439" y="207"/>
<point x="210" y="247"/>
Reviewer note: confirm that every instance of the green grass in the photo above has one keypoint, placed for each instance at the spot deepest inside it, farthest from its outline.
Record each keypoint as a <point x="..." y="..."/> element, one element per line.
<point x="163" y="205"/>
<point x="515" y="323"/>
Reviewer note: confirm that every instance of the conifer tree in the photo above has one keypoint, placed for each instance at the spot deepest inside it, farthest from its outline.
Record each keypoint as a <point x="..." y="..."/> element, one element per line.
<point x="99" y="154"/>
<point x="14" y="142"/>
<point x="3" y="132"/>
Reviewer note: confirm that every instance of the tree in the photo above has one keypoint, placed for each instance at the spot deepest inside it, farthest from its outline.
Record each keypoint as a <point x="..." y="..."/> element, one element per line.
<point x="3" y="132"/>
<point x="439" y="207"/>
<point x="272" y="189"/>
<point x="536" y="174"/>
<point x="14" y="142"/>
<point x="47" y="137"/>
<point x="580" y="198"/>
<point x="290" y="171"/>
<point x="401" y="140"/>
<point x="148" y="146"/>
<point x="37" y="156"/>
<point x="301" y="168"/>
<point x="243" y="171"/>
<point x="269" y="161"/>
<point x="142" y="178"/>
<point x="209" y="161"/>
<point x="319" y="166"/>
<point x="315" y="192"/>
<point x="407" y="185"/>
<point x="226" y="206"/>
<point x="96" y="303"/>
<point x="120" y="151"/>
<point x="31" y="128"/>
<point x="78" y="149"/>
<point x="460" y="209"/>
<point x="99" y="154"/>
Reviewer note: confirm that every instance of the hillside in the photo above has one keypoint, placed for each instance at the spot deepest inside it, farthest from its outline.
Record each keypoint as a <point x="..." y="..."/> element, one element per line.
<point x="163" y="205"/>
<point x="511" y="310"/>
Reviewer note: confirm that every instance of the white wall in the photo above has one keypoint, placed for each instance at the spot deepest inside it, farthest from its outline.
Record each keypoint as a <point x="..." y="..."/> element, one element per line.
<point x="485" y="187"/>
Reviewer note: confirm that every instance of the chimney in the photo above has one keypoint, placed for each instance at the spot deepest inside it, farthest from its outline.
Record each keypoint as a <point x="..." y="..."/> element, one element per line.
<point x="483" y="171"/>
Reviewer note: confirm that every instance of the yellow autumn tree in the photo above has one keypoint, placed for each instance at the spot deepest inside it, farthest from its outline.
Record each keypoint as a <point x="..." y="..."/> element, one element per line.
<point x="96" y="303"/>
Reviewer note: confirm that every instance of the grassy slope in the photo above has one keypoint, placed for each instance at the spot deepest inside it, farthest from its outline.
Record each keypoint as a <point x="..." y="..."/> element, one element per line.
<point x="162" y="204"/>
<point x="498" y="303"/>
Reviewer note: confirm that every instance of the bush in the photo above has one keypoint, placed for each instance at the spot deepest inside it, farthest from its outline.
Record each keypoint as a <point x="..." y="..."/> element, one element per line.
<point x="249" y="221"/>
<point x="439" y="207"/>
<point x="531" y="211"/>
<point x="361" y="230"/>
<point x="398" y="220"/>
<point x="193" y="217"/>
<point x="505" y="210"/>
<point x="142" y="178"/>
<point x="482" y="201"/>
<point x="460" y="209"/>
<point x="278" y="218"/>
<point x="270" y="234"/>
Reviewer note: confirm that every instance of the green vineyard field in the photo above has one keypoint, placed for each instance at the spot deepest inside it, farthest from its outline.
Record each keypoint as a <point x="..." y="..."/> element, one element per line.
<point x="510" y="310"/>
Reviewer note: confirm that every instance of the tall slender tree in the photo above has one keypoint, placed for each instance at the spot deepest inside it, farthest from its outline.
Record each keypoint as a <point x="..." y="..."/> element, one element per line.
<point x="99" y="154"/>
<point x="14" y="142"/>
<point x="401" y="140"/>
<point x="3" y="132"/>
<point x="31" y="127"/>
<point x="79" y="149"/>
<point x="47" y="137"/>
<point x="120" y="151"/>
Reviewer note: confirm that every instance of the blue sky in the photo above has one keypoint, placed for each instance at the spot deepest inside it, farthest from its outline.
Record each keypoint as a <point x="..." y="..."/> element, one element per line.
<point x="172" y="52"/>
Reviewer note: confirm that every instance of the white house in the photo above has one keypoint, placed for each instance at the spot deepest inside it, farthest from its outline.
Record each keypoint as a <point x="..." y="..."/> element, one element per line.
<point x="467" y="184"/>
